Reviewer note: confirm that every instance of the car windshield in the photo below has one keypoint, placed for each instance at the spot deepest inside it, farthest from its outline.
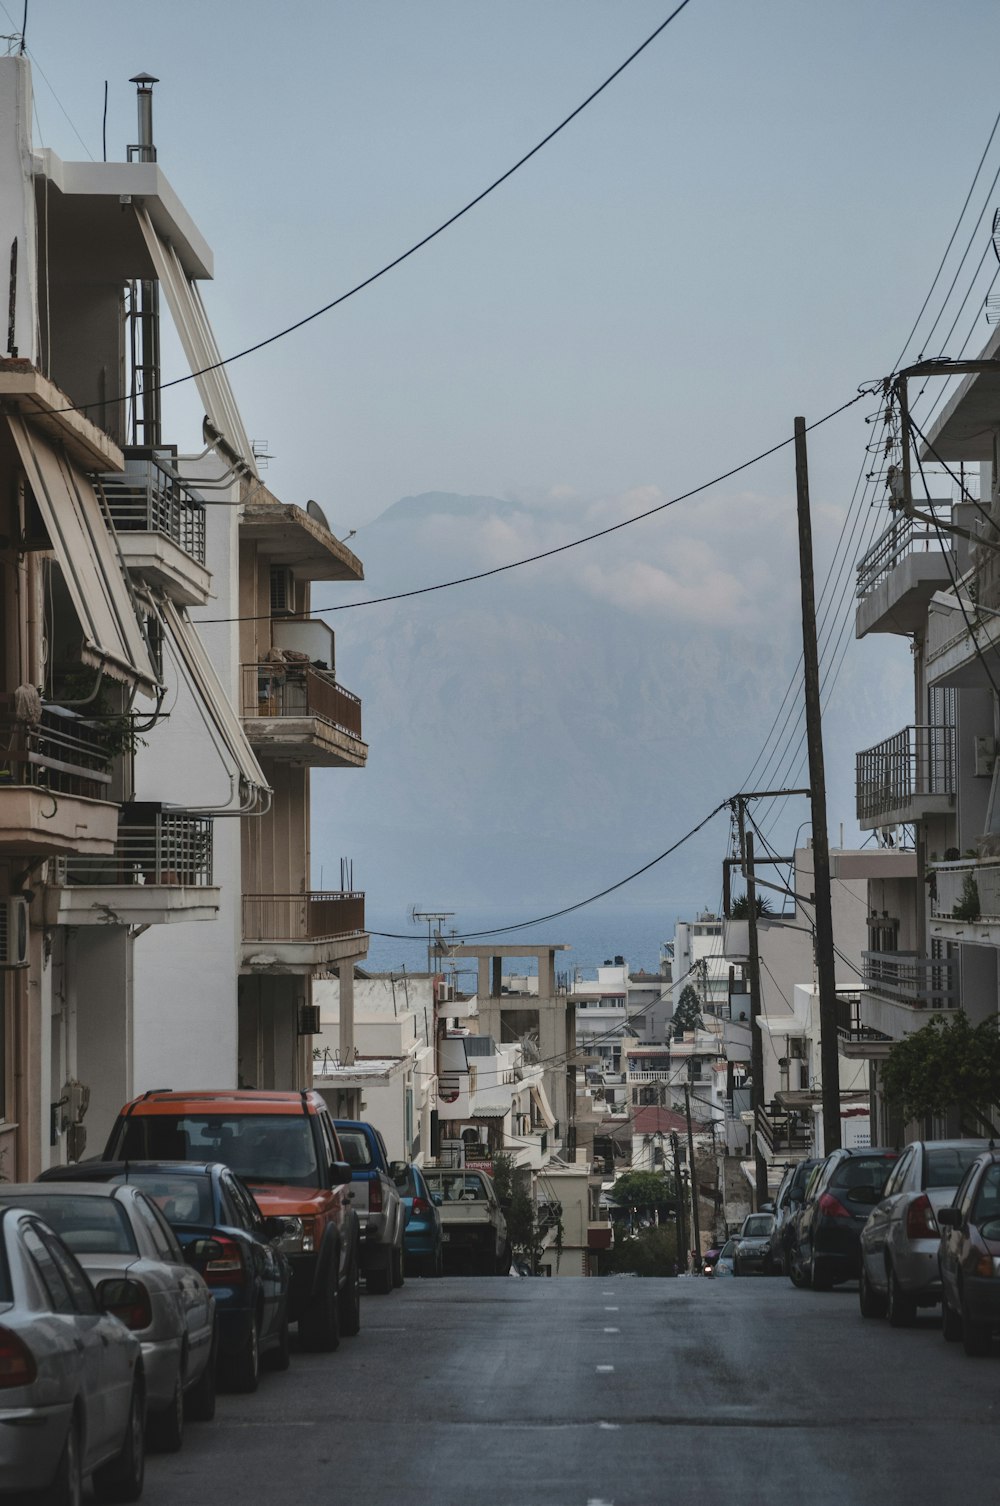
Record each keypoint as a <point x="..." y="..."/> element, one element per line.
<point x="258" y="1147"/>
<point x="946" y="1165"/>
<point x="89" y="1225"/>
<point x="357" y="1152"/>
<point x="456" y="1188"/>
<point x="757" y="1226"/>
<point x="862" y="1171"/>
<point x="987" y="1205"/>
<point x="181" y="1199"/>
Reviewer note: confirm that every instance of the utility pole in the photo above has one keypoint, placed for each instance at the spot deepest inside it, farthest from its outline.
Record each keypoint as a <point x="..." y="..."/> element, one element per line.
<point x="756" y="1034"/>
<point x="825" y="966"/>
<point x="695" y="1220"/>
<point x="679" y="1189"/>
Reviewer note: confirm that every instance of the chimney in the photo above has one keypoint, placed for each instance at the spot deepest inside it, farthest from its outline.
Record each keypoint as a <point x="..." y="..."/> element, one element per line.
<point x="145" y="151"/>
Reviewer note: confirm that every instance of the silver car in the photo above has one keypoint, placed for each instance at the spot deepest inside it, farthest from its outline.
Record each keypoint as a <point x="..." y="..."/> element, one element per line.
<point x="72" y="1390"/>
<point x="118" y="1232"/>
<point x="753" y="1245"/>
<point x="901" y="1239"/>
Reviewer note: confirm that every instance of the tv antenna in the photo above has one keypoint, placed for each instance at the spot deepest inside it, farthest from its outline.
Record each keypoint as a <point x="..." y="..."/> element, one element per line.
<point x="435" y="919"/>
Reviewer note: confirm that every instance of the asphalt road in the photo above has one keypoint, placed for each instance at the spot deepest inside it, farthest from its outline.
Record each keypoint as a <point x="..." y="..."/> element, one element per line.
<point x="615" y="1392"/>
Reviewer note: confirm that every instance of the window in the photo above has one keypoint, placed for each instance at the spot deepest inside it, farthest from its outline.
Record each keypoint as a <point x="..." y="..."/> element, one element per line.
<point x="945" y="1166"/>
<point x="261" y="1147"/>
<point x="356" y="1149"/>
<point x="987" y="1205"/>
<point x="58" y="1293"/>
<point x="79" y="1287"/>
<point x="181" y="1199"/>
<point x="164" y="1244"/>
<point x="86" y="1224"/>
<point x="249" y="1214"/>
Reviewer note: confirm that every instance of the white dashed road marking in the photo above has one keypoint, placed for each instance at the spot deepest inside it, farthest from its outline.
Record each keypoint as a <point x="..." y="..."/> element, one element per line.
<point x="612" y="1330"/>
<point x="605" y="1369"/>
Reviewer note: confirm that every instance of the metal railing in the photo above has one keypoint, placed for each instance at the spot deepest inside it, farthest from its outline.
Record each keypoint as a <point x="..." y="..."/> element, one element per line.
<point x="916" y="761"/>
<point x="302" y="917"/>
<point x="849" y="1024"/>
<point x="966" y="886"/>
<point x="151" y="498"/>
<point x="276" y="690"/>
<point x="911" y="978"/>
<point x="903" y="536"/>
<point x="783" y="1131"/>
<point x="64" y="753"/>
<point x="173" y="848"/>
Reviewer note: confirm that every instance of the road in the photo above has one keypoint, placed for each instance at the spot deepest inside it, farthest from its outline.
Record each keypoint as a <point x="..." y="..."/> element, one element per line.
<point x="614" y="1392"/>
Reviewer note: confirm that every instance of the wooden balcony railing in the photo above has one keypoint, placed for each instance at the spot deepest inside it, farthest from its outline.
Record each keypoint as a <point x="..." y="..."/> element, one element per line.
<point x="302" y="917"/>
<point x="297" y="690"/>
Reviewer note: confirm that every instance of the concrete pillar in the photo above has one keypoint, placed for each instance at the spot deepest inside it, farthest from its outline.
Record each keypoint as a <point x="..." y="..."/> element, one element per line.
<point x="483" y="981"/>
<point x="546" y="975"/>
<point x="345" y="972"/>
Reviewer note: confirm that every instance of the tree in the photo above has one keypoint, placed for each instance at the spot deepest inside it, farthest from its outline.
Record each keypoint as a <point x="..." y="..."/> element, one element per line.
<point x="503" y="1175"/>
<point x="949" y="1064"/>
<point x="524" y="1230"/>
<point x="740" y="909"/>
<point x="687" y="1015"/>
<point x="651" y="1252"/>
<point x="645" y="1191"/>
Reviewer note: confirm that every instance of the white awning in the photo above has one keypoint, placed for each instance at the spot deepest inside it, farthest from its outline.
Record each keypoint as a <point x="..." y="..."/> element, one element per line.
<point x="233" y="745"/>
<point x="198" y="341"/>
<point x="84" y="545"/>
<point x="542" y="1104"/>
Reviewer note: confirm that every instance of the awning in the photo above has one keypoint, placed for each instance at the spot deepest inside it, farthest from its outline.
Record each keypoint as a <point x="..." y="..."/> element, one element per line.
<point x="234" y="747"/>
<point x="84" y="546"/>
<point x="196" y="336"/>
<point x="542" y="1104"/>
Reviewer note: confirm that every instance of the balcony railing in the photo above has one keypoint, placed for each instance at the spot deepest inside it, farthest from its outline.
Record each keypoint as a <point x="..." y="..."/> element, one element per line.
<point x="172" y="848"/>
<point x="783" y="1132"/>
<point x="904" y="536"/>
<point x="276" y="690"/>
<point x="968" y="886"/>
<point x="64" y="753"/>
<point x="151" y="498"/>
<point x="914" y="762"/>
<point x="302" y="917"/>
<point x="910" y="978"/>
<point x="849" y="1025"/>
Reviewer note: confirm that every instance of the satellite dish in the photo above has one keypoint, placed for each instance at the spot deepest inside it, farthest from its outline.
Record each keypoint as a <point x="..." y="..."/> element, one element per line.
<point x="315" y="511"/>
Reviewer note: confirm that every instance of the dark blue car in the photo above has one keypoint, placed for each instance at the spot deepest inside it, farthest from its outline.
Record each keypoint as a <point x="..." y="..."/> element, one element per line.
<point x="225" y="1236"/>
<point x="422" y="1234"/>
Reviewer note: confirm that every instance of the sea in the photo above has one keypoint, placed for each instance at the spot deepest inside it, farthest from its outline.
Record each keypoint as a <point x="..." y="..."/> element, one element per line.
<point x="594" y="937"/>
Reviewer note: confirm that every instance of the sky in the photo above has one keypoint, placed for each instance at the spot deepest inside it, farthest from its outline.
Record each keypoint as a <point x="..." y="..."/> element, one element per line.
<point x="742" y="228"/>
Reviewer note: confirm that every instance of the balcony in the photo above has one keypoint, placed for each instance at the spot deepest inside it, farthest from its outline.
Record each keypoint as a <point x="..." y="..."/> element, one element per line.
<point x="965" y="901"/>
<point x="55" y="785"/>
<point x="781" y="1134"/>
<point x="289" y="933"/>
<point x="899" y="575"/>
<point x="906" y="778"/>
<point x="159" y="871"/>
<point x="900" y="993"/>
<point x="160" y="524"/>
<point x="855" y="1039"/>
<point x="292" y="711"/>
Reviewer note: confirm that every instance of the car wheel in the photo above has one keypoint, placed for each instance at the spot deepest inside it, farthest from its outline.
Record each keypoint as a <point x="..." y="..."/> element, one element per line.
<point x="798" y="1274"/>
<point x="977" y="1338"/>
<point x="819" y="1277"/>
<point x="901" y="1310"/>
<point x="319" y="1326"/>
<point x="199" y="1401"/>
<point x="280" y="1357"/>
<point x="165" y="1429"/>
<point x="379" y="1278"/>
<point x="872" y="1302"/>
<point x="121" y="1478"/>
<point x="242" y="1370"/>
<point x="951" y="1321"/>
<point x="67" y="1484"/>
<point x="350" y="1300"/>
<point x="398" y="1265"/>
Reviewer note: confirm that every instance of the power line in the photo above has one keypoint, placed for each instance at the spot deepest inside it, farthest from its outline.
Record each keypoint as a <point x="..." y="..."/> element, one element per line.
<point x="531" y="559"/>
<point x="417" y="245"/>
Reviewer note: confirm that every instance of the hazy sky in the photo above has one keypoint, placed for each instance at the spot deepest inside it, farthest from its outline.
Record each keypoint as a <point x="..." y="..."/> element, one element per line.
<point x="740" y="229"/>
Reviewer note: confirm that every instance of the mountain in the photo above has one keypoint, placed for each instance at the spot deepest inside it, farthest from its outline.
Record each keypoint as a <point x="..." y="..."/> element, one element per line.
<point x="536" y="736"/>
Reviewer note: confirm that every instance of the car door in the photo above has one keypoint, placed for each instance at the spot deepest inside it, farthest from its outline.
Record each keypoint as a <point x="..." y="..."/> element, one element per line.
<point x="881" y="1225"/>
<point x="808" y="1214"/>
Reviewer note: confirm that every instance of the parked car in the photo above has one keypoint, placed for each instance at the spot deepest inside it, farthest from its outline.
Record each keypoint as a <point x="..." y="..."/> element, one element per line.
<point x="117" y="1233"/>
<point x="900" y="1243"/>
<point x="472" y="1223"/>
<point x="787" y="1201"/>
<point x="377" y="1202"/>
<point x="724" y="1264"/>
<point x="248" y="1275"/>
<point x="284" y="1146"/>
<point x="970" y="1257"/>
<point x="422" y="1232"/>
<point x="753" y="1245"/>
<point x="841" y="1193"/>
<point x="72" y="1385"/>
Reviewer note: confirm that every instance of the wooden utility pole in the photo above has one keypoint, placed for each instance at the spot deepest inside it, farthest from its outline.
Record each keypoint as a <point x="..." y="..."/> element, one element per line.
<point x="695" y="1220"/>
<point x="825" y="966"/>
<point x="756" y="1034"/>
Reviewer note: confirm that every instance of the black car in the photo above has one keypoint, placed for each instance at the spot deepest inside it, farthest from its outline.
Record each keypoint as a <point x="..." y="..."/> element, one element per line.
<point x="970" y="1257"/>
<point x="842" y="1192"/>
<point x="237" y="1254"/>
<point x="787" y="1202"/>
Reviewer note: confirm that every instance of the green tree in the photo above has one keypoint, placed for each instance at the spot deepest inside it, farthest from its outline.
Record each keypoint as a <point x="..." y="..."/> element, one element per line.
<point x="949" y="1064"/>
<point x="646" y="1191"/>
<point x="651" y="1252"/>
<point x="503" y="1175"/>
<point x="687" y="1015"/>
<point x="526" y="1234"/>
<point x="740" y="909"/>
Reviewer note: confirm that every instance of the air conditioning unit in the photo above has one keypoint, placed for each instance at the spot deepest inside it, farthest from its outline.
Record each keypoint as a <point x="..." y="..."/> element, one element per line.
<point x="309" y="1020"/>
<point x="282" y="591"/>
<point x="14" y="932"/>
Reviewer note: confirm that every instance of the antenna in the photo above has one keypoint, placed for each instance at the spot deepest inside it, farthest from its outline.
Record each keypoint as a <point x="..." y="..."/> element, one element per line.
<point x="433" y="918"/>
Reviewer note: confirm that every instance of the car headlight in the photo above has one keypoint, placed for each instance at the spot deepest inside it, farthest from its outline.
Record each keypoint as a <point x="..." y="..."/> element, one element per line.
<point x="298" y="1237"/>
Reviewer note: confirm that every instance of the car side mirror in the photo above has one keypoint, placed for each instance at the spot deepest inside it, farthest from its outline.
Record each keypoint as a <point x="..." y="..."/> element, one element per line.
<point x="950" y="1218"/>
<point x="766" y="1208"/>
<point x="200" y="1251"/>
<point x="340" y="1173"/>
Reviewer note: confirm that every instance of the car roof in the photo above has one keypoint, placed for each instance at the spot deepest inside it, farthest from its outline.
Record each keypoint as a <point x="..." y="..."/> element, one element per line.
<point x="103" y="1171"/>
<point x="11" y="1190"/>
<point x="233" y="1100"/>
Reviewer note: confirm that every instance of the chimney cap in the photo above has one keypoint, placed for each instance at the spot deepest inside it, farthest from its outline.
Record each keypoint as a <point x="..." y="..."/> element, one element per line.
<point x="143" y="78"/>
